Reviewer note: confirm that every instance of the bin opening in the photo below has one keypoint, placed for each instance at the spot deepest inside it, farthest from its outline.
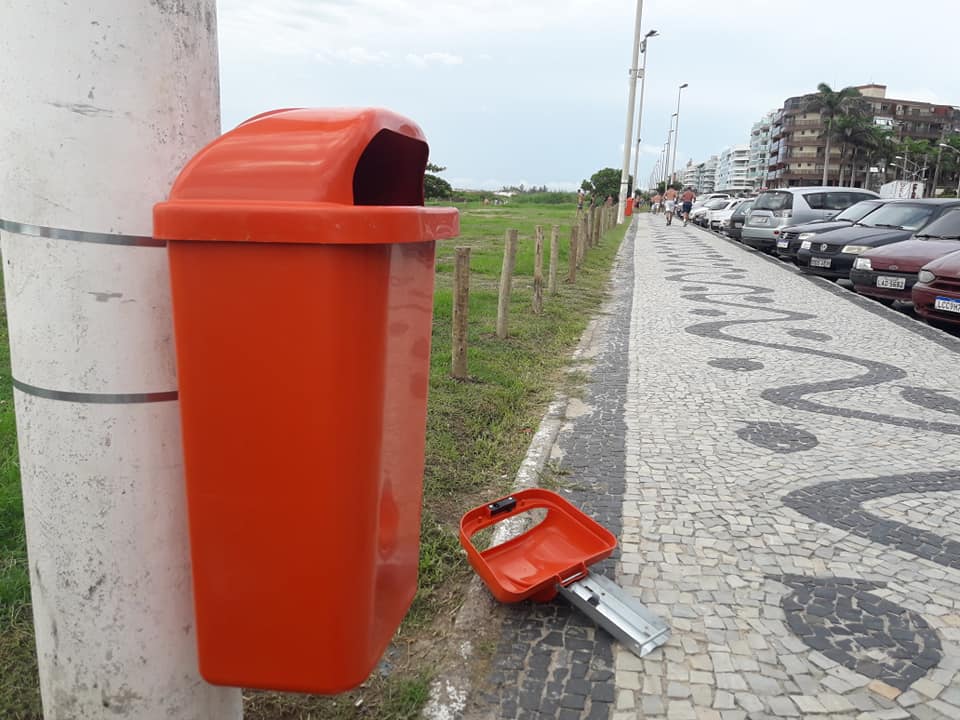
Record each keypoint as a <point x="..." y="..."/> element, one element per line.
<point x="390" y="171"/>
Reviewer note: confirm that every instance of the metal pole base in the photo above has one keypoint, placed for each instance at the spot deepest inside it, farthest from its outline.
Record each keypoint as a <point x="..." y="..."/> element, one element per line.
<point x="617" y="612"/>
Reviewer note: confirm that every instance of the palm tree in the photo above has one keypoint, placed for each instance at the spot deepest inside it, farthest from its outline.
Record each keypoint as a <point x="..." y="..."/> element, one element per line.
<point x="831" y="103"/>
<point x="853" y="130"/>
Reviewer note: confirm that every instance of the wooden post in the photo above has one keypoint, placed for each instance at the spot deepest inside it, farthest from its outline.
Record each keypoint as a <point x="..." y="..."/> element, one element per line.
<point x="461" y="304"/>
<point x="596" y="230"/>
<point x="583" y="238"/>
<point x="554" y="260"/>
<point x="506" y="279"/>
<point x="538" y="271"/>
<point x="587" y="230"/>
<point x="574" y="253"/>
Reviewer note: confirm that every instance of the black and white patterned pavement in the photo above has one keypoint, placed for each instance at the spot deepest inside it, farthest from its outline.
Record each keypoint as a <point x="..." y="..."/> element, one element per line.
<point x="782" y="468"/>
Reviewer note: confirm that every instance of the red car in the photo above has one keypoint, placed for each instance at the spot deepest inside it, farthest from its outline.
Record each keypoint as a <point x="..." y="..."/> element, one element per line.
<point x="888" y="273"/>
<point x="936" y="297"/>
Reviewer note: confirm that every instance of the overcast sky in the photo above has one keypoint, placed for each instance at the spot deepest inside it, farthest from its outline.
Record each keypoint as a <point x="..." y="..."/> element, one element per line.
<point x="534" y="91"/>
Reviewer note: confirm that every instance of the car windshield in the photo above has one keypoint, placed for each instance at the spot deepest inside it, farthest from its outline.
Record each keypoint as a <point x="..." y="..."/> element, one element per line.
<point x="774" y="201"/>
<point x="899" y="215"/>
<point x="743" y="208"/>
<point x="717" y="203"/>
<point x="856" y="213"/>
<point x="945" y="226"/>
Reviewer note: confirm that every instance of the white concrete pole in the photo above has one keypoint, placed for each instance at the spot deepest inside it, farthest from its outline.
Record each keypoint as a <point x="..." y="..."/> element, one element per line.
<point x="631" y="101"/>
<point x="106" y="100"/>
<point x="676" y="136"/>
<point x="643" y="85"/>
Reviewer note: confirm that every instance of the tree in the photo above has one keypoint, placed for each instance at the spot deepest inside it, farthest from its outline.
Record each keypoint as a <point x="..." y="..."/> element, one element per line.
<point x="852" y="129"/>
<point x="831" y="103"/>
<point x="603" y="183"/>
<point x="434" y="187"/>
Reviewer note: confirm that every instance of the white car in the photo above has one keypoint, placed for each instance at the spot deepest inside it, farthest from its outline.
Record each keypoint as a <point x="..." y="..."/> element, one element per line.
<point x="720" y="218"/>
<point x="701" y="215"/>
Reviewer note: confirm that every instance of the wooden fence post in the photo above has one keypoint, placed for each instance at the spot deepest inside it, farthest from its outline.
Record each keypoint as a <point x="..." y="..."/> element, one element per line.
<point x="554" y="260"/>
<point x="574" y="252"/>
<point x="538" y="271"/>
<point x="506" y="279"/>
<point x="461" y="304"/>
<point x="595" y="240"/>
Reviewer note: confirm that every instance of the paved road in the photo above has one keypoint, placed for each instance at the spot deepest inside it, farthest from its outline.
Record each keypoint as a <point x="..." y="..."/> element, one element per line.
<point x="780" y="463"/>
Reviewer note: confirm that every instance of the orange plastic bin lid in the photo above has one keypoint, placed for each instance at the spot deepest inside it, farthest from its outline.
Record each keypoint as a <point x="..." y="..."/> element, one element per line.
<point x="554" y="552"/>
<point x="340" y="176"/>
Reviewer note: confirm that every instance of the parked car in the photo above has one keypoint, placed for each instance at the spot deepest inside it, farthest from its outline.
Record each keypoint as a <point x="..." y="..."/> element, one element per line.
<point x="792" y="235"/>
<point x="794" y="206"/>
<point x="832" y="253"/>
<point x="715" y="217"/>
<point x="700" y="215"/>
<point x="739" y="216"/>
<point x="936" y="296"/>
<point x="702" y="199"/>
<point x="889" y="273"/>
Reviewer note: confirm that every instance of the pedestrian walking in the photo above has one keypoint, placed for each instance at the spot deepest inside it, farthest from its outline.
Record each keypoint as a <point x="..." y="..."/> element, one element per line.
<point x="687" y="200"/>
<point x="670" y="204"/>
<point x="655" y="203"/>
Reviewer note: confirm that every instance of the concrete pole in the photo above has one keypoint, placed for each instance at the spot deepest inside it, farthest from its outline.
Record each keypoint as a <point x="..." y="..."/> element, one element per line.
<point x="107" y="99"/>
<point x="676" y="136"/>
<point x="643" y="85"/>
<point x="631" y="101"/>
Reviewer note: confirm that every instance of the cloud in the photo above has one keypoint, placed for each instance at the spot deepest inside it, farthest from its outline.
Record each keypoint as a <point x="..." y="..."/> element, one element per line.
<point x="354" y="56"/>
<point x="438" y="58"/>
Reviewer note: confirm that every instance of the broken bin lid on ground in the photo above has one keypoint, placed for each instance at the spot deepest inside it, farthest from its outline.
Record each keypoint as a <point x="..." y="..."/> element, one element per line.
<point x="553" y="557"/>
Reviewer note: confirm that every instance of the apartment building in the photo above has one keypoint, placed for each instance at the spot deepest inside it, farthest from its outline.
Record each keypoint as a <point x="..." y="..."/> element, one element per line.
<point x="797" y="143"/>
<point x="731" y="173"/>
<point x="760" y="151"/>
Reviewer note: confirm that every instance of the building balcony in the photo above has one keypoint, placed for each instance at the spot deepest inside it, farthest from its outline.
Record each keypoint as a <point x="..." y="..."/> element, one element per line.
<point x="803" y="124"/>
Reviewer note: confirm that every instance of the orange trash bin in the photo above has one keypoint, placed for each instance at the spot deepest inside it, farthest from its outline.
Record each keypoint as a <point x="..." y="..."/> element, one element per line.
<point x="629" y="207"/>
<point x="302" y="266"/>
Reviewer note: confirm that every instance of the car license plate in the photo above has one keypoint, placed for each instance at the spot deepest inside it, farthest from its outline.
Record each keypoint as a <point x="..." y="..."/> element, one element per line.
<point x="783" y="243"/>
<point x="948" y="304"/>
<point x="893" y="283"/>
<point x="805" y="245"/>
<point x="820" y="262"/>
<point x="759" y="221"/>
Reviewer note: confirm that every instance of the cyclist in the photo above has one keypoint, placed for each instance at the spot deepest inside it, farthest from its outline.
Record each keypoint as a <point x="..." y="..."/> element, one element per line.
<point x="669" y="204"/>
<point x="688" y="198"/>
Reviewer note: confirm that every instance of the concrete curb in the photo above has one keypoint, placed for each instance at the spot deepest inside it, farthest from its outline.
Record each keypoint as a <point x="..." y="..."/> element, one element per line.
<point x="450" y="691"/>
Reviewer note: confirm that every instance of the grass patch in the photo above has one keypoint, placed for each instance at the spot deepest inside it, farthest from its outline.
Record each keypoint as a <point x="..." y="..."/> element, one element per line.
<point x="477" y="435"/>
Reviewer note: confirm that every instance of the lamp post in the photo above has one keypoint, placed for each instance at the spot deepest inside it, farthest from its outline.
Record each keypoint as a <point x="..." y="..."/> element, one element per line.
<point x="952" y="149"/>
<point x="643" y="84"/>
<point x="631" y="102"/>
<point x="676" y="135"/>
<point x="666" y="165"/>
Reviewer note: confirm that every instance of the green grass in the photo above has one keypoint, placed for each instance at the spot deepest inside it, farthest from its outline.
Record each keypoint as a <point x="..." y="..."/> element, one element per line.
<point x="19" y="694"/>
<point x="477" y="434"/>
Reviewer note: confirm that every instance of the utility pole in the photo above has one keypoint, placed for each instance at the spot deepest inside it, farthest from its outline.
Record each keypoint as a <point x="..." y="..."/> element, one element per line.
<point x="676" y="135"/>
<point x="643" y="85"/>
<point x="112" y="97"/>
<point x="631" y="101"/>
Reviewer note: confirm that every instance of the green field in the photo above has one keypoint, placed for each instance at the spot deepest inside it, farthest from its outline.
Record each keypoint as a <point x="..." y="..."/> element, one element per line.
<point x="477" y="434"/>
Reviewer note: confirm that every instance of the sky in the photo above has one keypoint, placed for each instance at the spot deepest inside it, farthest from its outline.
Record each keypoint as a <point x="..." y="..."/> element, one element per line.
<point x="535" y="91"/>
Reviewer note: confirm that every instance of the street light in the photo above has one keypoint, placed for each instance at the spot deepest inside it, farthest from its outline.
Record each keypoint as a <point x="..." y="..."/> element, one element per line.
<point x="631" y="102"/>
<point x="643" y="85"/>
<point x="666" y="159"/>
<point x="951" y="148"/>
<point x="676" y="136"/>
